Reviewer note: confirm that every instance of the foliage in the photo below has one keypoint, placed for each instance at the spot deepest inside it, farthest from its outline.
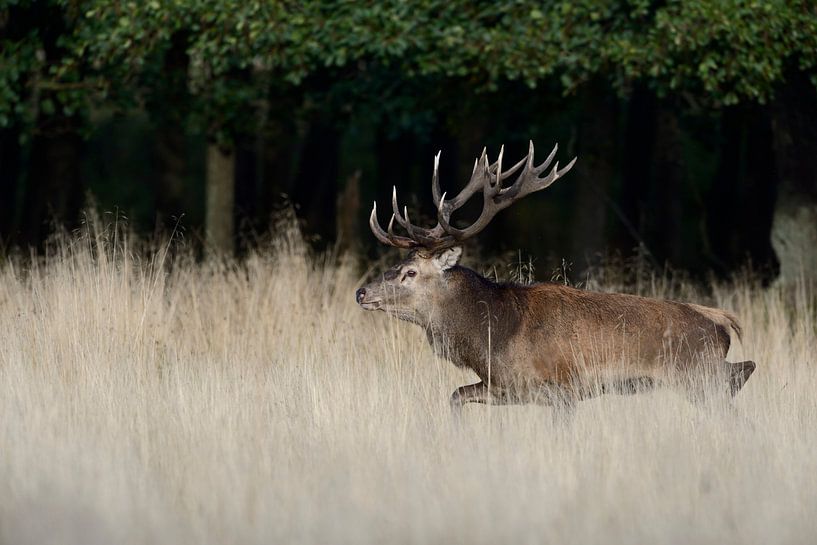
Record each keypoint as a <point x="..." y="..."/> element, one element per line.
<point x="18" y="59"/>
<point x="110" y="52"/>
<point x="41" y="72"/>
<point x="723" y="52"/>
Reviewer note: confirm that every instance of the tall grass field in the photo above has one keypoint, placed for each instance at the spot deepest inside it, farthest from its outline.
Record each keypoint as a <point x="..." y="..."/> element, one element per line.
<point x="148" y="397"/>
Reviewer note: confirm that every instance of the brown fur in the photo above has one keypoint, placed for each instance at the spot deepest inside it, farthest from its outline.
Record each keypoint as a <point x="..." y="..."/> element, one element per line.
<point x="530" y="341"/>
<point x="726" y="319"/>
<point x="553" y="334"/>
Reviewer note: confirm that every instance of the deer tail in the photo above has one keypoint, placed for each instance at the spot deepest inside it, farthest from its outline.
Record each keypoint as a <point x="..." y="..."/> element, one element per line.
<point x="721" y="317"/>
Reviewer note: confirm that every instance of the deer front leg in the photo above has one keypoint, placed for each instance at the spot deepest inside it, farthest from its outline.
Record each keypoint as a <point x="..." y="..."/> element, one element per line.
<point x="472" y="393"/>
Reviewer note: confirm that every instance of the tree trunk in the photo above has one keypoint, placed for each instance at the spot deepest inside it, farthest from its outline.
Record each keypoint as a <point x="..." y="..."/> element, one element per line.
<point x="169" y="185"/>
<point x="9" y="176"/>
<point x="169" y="104"/>
<point x="758" y="196"/>
<point x="277" y="147"/>
<point x="669" y="176"/>
<point x="317" y="180"/>
<point x="278" y="142"/>
<point x="740" y="211"/>
<point x="220" y="189"/>
<point x="349" y="214"/>
<point x="639" y="143"/>
<point x="794" y="227"/>
<point x="247" y="192"/>
<point x="393" y="156"/>
<point x="54" y="190"/>
<point x="592" y="178"/>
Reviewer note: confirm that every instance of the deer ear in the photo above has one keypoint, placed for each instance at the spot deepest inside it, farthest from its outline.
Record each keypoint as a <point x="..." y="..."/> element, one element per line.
<point x="448" y="258"/>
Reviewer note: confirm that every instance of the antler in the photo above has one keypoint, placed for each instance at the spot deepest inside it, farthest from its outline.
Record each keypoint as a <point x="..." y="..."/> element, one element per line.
<point x="487" y="177"/>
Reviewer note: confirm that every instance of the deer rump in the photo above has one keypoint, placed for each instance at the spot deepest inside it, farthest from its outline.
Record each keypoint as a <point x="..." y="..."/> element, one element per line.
<point x="615" y="343"/>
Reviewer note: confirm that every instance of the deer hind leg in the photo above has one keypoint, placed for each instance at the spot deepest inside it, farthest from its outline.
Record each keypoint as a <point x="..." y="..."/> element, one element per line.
<point x="561" y="400"/>
<point x="739" y="373"/>
<point x="726" y="377"/>
<point x="629" y="386"/>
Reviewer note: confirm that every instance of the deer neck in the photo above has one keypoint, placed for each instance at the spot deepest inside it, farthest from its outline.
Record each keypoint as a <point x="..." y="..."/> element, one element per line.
<point x="474" y="320"/>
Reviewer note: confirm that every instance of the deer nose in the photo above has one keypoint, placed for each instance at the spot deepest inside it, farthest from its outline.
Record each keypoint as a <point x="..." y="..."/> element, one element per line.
<point x="359" y="295"/>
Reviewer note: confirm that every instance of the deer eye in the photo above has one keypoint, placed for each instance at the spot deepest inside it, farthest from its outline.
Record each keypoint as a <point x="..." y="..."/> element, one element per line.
<point x="411" y="273"/>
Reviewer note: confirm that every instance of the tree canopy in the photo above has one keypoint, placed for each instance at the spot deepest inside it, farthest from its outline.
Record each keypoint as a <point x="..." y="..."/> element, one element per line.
<point x="111" y="51"/>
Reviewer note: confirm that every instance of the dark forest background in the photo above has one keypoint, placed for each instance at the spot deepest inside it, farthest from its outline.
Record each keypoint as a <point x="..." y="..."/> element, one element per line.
<point x="695" y="122"/>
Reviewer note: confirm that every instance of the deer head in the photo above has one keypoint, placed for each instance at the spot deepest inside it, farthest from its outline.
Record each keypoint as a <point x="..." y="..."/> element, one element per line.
<point x="412" y="288"/>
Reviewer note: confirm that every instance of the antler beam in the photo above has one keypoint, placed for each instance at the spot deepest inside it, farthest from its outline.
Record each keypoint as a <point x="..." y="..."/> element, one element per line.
<point x="485" y="176"/>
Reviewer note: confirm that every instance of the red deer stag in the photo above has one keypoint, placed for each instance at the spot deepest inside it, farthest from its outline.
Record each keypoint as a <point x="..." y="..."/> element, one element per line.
<point x="545" y="342"/>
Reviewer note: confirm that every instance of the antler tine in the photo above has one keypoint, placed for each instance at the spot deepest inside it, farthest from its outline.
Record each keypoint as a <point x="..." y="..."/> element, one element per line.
<point x="420" y="235"/>
<point x="498" y="180"/>
<point x="511" y="171"/>
<point x="542" y="183"/>
<point x="482" y="171"/>
<point x="442" y="219"/>
<point x="529" y="182"/>
<point x="389" y="239"/>
<point x="530" y="155"/>
<point x="489" y="210"/>
<point x="568" y="167"/>
<point x="395" y="208"/>
<point x="390" y="228"/>
<point x="484" y="176"/>
<point x="378" y="231"/>
<point x="496" y="199"/>
<point x="435" y="180"/>
<point x="541" y="168"/>
<point x="430" y="238"/>
<point x="409" y="227"/>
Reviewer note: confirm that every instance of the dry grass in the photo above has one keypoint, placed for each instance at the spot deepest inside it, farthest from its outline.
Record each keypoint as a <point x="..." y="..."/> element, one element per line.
<point x="144" y="402"/>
